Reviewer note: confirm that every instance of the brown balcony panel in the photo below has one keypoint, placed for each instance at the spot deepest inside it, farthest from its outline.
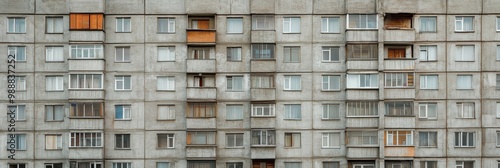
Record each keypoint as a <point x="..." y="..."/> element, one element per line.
<point x="201" y="36"/>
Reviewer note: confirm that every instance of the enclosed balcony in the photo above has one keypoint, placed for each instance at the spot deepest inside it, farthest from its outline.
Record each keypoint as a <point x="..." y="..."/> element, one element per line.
<point x="362" y="152"/>
<point x="201" y="30"/>
<point x="201" y="144"/>
<point x="201" y="60"/>
<point x="399" y="28"/>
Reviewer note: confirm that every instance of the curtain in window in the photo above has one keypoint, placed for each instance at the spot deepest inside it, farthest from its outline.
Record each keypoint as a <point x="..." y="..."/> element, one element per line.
<point x="293" y="111"/>
<point x="464" y="82"/>
<point x="468" y="23"/>
<point x="165" y="83"/>
<point x="166" y="112"/>
<point x="162" y="165"/>
<point x="166" y="53"/>
<point x="54" y="54"/>
<point x="234" y="54"/>
<point x="21" y="141"/>
<point x="54" y="25"/>
<point x="293" y="165"/>
<point x="234" y="112"/>
<point x="465" y="53"/>
<point x="234" y="25"/>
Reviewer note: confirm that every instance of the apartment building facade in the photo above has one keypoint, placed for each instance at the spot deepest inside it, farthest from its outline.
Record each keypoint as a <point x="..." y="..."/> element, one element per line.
<point x="250" y="83"/>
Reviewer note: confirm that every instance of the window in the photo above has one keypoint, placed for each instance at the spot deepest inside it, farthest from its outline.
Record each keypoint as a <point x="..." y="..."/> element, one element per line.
<point x="166" y="112"/>
<point x="19" y="52"/>
<point x="362" y="51"/>
<point x="201" y="109"/>
<point x="166" y="25"/>
<point x="428" y="164"/>
<point x="331" y="111"/>
<point x="498" y="138"/>
<point x="122" y="141"/>
<point x="362" y="108"/>
<point x="54" y="24"/>
<point x="268" y="163"/>
<point x="20" y="83"/>
<point x="396" y="53"/>
<point x="465" y="110"/>
<point x="362" y="138"/>
<point x="291" y="54"/>
<point x="464" y="53"/>
<point x="262" y="22"/>
<point x="363" y="165"/>
<point x="85" y="164"/>
<point x="203" y="23"/>
<point x="263" y="51"/>
<point x="465" y="164"/>
<point x="86" y="109"/>
<point x="292" y="140"/>
<point x="266" y="81"/>
<point x="498" y="23"/>
<point x="85" y="139"/>
<point x="399" y="138"/>
<point x="330" y="25"/>
<point x="17" y="165"/>
<point x="429" y="82"/>
<point x="166" y="53"/>
<point x="234" y="83"/>
<point x="464" y="81"/>
<point x="81" y="21"/>
<point x="498" y="81"/>
<point x="399" y="108"/>
<point x="19" y="111"/>
<point x="331" y="54"/>
<point x="362" y="21"/>
<point x="202" y="53"/>
<point x="234" y="25"/>
<point x="464" y="139"/>
<point x="54" y="112"/>
<point x="399" y="79"/>
<point x="428" y="53"/>
<point x="331" y="164"/>
<point x="86" y="51"/>
<point x="234" y="112"/>
<point x="234" y="165"/>
<point x="394" y="21"/>
<point x="54" y="83"/>
<point x="165" y="83"/>
<point x="234" y="54"/>
<point x="17" y="25"/>
<point x="166" y="140"/>
<point x="398" y="164"/>
<point x="20" y="141"/>
<point x="262" y="110"/>
<point x="85" y="81"/>
<point x="53" y="141"/>
<point x="464" y="23"/>
<point x="427" y="139"/>
<point x="163" y="165"/>
<point x="263" y="138"/>
<point x="330" y="140"/>
<point x="122" y="112"/>
<point x="292" y="82"/>
<point x="428" y="23"/>
<point x="498" y="51"/>
<point x="122" y="54"/>
<point x="200" y="164"/>
<point x="123" y="83"/>
<point x="123" y="24"/>
<point x="293" y="164"/>
<point x="427" y="110"/>
<point x="362" y="80"/>
<point x="291" y="24"/>
<point x="234" y="140"/>
<point x="53" y="165"/>
<point x="200" y="138"/>
<point x="201" y="81"/>
<point x="54" y="54"/>
<point x="122" y="165"/>
<point x="292" y="111"/>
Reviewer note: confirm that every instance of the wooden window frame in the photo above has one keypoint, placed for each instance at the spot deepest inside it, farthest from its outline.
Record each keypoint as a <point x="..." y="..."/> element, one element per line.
<point x="86" y="21"/>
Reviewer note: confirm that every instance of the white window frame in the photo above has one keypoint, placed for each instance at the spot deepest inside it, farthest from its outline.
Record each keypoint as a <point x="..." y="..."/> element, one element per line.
<point x="461" y="164"/>
<point x="93" y="76"/>
<point x="460" y="140"/>
<point x="363" y="165"/>
<point x="15" y="50"/>
<point x="52" y="165"/>
<point x="365" y="22"/>
<point x="330" y="111"/>
<point x="54" y="54"/>
<point x="425" y="164"/>
<point x="122" y="165"/>
<point x="20" y="142"/>
<point x="465" y="78"/>
<point x="428" y="53"/>
<point x="333" y="53"/>
<point x="166" y="53"/>
<point x="234" y="20"/>
<point x="267" y="20"/>
<point x="57" y="83"/>
<point x="93" y="164"/>
<point x="463" y="110"/>
<point x="368" y="108"/>
<point x="51" y="109"/>
<point x="425" y="26"/>
<point x="372" y="81"/>
<point x="170" y="138"/>
<point x="391" y="134"/>
<point x="461" y="55"/>
<point x="99" y="139"/>
<point x="426" y="79"/>
<point x="234" y="164"/>
<point x="258" y="110"/>
<point x="425" y="110"/>
<point x="291" y="112"/>
<point x="288" y="84"/>
<point x="54" y="25"/>
<point x="169" y="80"/>
<point x="460" y="23"/>
<point x="19" y="110"/>
<point x="123" y="25"/>
<point x="234" y="137"/>
<point x="265" y="137"/>
<point x="231" y="83"/>
<point x="121" y="80"/>
<point x="169" y="26"/>
<point x="126" y="112"/>
<point x="398" y="80"/>
<point x="86" y="51"/>
<point x="125" y="54"/>
<point x="325" y="23"/>
<point x="234" y="111"/>
<point x="13" y="25"/>
<point x="328" y="137"/>
<point x="289" y="23"/>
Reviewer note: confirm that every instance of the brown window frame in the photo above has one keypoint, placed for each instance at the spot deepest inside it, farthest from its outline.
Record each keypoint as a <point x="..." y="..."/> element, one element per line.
<point x="86" y="21"/>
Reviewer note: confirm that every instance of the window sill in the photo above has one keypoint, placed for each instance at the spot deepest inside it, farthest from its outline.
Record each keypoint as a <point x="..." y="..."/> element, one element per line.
<point x="165" y="90"/>
<point x="123" y="90"/>
<point x="427" y="146"/>
<point x="123" y="31"/>
<point x="362" y="29"/>
<point x="330" y="119"/>
<point x="201" y="59"/>
<point x="123" y="149"/>
<point x="363" y="146"/>
<point x="465" y="60"/>
<point x="467" y="31"/>
<point x="20" y="90"/>
<point x="337" y="90"/>
<point x="466" y="118"/>
<point x="165" y="119"/>
<point x="82" y="89"/>
<point x="263" y="116"/>
<point x="427" y="32"/>
<point x="21" y="120"/>
<point x="123" y="119"/>
<point x="399" y="87"/>
<point x="365" y="88"/>
<point x="361" y="59"/>
<point x="157" y="148"/>
<point x="85" y="147"/>
<point x="60" y="33"/>
<point x="201" y="145"/>
<point x="399" y="28"/>
<point x="236" y="147"/>
<point x="200" y="117"/>
<point x="122" y="62"/>
<point x="234" y="119"/>
<point x="292" y="119"/>
<point x="54" y="121"/>
<point x="53" y="149"/>
<point x="430" y="89"/>
<point x="399" y="115"/>
<point x="330" y="32"/>
<point x="263" y="146"/>
<point x="292" y="90"/>
<point x="236" y="33"/>
<point x="54" y="90"/>
<point x="291" y="62"/>
<point x="263" y="59"/>
<point x="330" y="61"/>
<point x="86" y="59"/>
<point x="399" y="146"/>
<point x="263" y="30"/>
<point x="291" y="32"/>
<point x="427" y="119"/>
<point x="85" y="118"/>
<point x="465" y="147"/>
<point x="166" y="61"/>
<point x="332" y="147"/>
<point x="234" y="61"/>
<point x="16" y="32"/>
<point x="165" y="32"/>
<point x="17" y="61"/>
<point x="54" y="62"/>
<point x="428" y="61"/>
<point x="362" y="116"/>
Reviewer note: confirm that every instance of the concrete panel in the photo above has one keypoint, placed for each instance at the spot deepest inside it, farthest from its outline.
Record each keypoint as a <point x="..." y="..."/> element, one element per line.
<point x="152" y="34"/>
<point x="25" y="37"/>
<point x="136" y="58"/>
<point x="489" y="142"/>
<point x="431" y="6"/>
<point x="263" y="36"/>
<point x="96" y="153"/>
<point x="202" y="6"/>
<point x="201" y="123"/>
<point x="232" y="38"/>
<point x="179" y="150"/>
<point x="439" y="122"/>
<point x="42" y="153"/>
<point x="235" y="95"/>
<point x="305" y="149"/>
<point x="135" y="122"/>
<point x="438" y="65"/>
<point x="86" y="123"/>
<point x="228" y="153"/>
<point x="201" y="151"/>
<point x="399" y="151"/>
<point x="361" y="6"/>
<point x="328" y="37"/>
<point x="362" y="122"/>
<point x="263" y="152"/>
<point x="303" y="94"/>
<point x="19" y="154"/>
<point x="86" y="64"/>
<point x="489" y="60"/>
<point x="474" y="151"/>
<point x="399" y="122"/>
<point x="490" y="6"/>
<point x="262" y="65"/>
<point x="304" y="36"/>
<point x="305" y="62"/>
<point x="434" y="151"/>
<point x="391" y="93"/>
<point x="329" y="6"/>
<point x="200" y="66"/>
<point x="474" y="35"/>
<point x="294" y="6"/>
<point x="320" y="94"/>
<point x="136" y="34"/>
<point x="87" y="6"/>
<point x="52" y="7"/>
<point x="362" y="152"/>
<point x="489" y="30"/>
<point x="262" y="6"/>
<point x="17" y="6"/>
<point x="320" y="123"/>
<point x="441" y="30"/>
<point x="225" y="65"/>
<point x="162" y="7"/>
<point x="151" y="92"/>
<point x="151" y="116"/>
<point x="464" y="6"/>
<point x="151" y="63"/>
<point x="454" y="117"/>
<point x="86" y="36"/>
<point x="263" y="122"/>
<point x="86" y="94"/>
<point x="262" y="94"/>
<point x="125" y="6"/>
<point x="362" y="64"/>
<point x="42" y="36"/>
<point x="318" y="151"/>
<point x="43" y="94"/>
<point x="305" y="121"/>
<point x="397" y="6"/>
<point x="136" y="145"/>
<point x="489" y="86"/>
<point x="399" y="36"/>
<point x="353" y="94"/>
<point x="201" y="93"/>
<point x="42" y="125"/>
<point x="454" y="93"/>
<point x="489" y="114"/>
<point x="360" y="36"/>
<point x="401" y="64"/>
<point x="224" y="123"/>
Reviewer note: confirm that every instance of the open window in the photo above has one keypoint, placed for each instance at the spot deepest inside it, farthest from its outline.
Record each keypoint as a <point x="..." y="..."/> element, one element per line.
<point x="398" y="21"/>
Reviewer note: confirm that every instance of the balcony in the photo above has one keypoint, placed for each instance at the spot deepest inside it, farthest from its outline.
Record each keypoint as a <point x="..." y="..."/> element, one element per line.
<point x="263" y="122"/>
<point x="262" y="94"/>
<point x="398" y="27"/>
<point x="86" y="124"/>
<point x="201" y="151"/>
<point x="87" y="6"/>
<point x="362" y="122"/>
<point x="399" y="64"/>
<point x="361" y="35"/>
<point x="83" y="94"/>
<point x="362" y="152"/>
<point x="362" y="94"/>
<point x="263" y="36"/>
<point x="200" y="36"/>
<point x="262" y="65"/>
<point x="263" y="152"/>
<point x="85" y="36"/>
<point x="201" y="123"/>
<point x="399" y="35"/>
<point x="399" y="93"/>
<point x="201" y="93"/>
<point x="86" y="153"/>
<point x="399" y="151"/>
<point x="200" y="66"/>
<point x="86" y="64"/>
<point x="362" y="64"/>
<point x="399" y="122"/>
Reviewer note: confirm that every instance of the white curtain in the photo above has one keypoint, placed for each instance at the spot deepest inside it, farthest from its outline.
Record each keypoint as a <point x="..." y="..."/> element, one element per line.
<point x="234" y="112"/>
<point x="464" y="82"/>
<point x="165" y="83"/>
<point x="234" y="25"/>
<point x="166" y="53"/>
<point x="293" y="165"/>
<point x="166" y="112"/>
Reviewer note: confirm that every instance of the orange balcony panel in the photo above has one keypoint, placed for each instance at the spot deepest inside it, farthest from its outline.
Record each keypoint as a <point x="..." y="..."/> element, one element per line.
<point x="201" y="36"/>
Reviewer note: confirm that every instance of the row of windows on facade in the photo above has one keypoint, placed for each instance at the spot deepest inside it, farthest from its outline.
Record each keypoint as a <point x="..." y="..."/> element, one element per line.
<point x="237" y="82"/>
<point x="291" y="54"/>
<point x="235" y="112"/>
<point x="259" y="22"/>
